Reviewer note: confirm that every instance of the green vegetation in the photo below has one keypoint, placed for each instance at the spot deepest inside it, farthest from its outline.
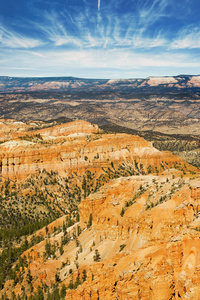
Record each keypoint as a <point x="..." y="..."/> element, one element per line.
<point x="49" y="250"/>
<point x="185" y="146"/>
<point x="42" y="198"/>
<point x="97" y="256"/>
<point x="34" y="204"/>
<point x="84" y="275"/>
<point x="32" y="138"/>
<point x="122" y="247"/>
<point x="150" y="203"/>
<point x="10" y="255"/>
<point x="28" y="207"/>
<point x="141" y="191"/>
<point x="73" y="285"/>
<point x="42" y="293"/>
<point x="122" y="212"/>
<point x="89" y="224"/>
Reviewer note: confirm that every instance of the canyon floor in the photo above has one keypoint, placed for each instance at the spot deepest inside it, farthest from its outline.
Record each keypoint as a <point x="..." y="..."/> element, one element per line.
<point x="89" y="214"/>
<point x="163" y="110"/>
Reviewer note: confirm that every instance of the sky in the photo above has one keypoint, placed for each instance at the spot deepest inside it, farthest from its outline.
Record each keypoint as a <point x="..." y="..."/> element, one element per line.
<point x="99" y="38"/>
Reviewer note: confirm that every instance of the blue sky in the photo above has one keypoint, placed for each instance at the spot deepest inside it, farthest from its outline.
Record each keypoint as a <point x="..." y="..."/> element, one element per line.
<point x="99" y="38"/>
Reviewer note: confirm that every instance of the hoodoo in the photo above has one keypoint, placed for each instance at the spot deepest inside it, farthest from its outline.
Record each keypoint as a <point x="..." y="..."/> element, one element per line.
<point x="115" y="217"/>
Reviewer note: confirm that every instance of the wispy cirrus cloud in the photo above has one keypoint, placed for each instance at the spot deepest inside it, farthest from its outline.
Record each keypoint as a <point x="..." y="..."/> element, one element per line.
<point x="149" y="13"/>
<point x="108" y="31"/>
<point x="86" y="62"/>
<point x="189" y="38"/>
<point x="56" y="31"/>
<point x="112" y="36"/>
<point x="12" y="39"/>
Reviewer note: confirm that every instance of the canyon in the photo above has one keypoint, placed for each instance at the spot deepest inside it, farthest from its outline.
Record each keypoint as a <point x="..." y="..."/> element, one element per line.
<point x="158" y="104"/>
<point x="162" y="110"/>
<point x="131" y="233"/>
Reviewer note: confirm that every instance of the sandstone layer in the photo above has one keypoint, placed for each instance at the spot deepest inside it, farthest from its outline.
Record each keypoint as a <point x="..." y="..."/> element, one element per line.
<point x="145" y="227"/>
<point x="77" y="146"/>
<point x="160" y="259"/>
<point x="148" y="252"/>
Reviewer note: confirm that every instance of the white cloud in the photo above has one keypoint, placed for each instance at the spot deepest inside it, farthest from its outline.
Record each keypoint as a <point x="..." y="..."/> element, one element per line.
<point x="113" y="32"/>
<point x="188" y="38"/>
<point x="122" y="59"/>
<point x="95" y="63"/>
<point x="56" y="31"/>
<point x="101" y="40"/>
<point x="12" y="39"/>
<point x="151" y="12"/>
<point x="99" y="5"/>
<point x="28" y="52"/>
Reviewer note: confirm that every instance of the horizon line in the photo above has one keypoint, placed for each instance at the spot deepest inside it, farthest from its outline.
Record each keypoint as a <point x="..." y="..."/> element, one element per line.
<point x="96" y="78"/>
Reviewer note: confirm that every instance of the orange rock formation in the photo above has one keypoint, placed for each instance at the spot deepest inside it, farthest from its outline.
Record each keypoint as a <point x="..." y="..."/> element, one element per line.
<point x="76" y="146"/>
<point x="160" y="259"/>
<point x="145" y="227"/>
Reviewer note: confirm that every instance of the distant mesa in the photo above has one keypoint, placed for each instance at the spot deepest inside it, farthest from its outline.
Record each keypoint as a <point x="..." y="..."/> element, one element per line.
<point x="61" y="84"/>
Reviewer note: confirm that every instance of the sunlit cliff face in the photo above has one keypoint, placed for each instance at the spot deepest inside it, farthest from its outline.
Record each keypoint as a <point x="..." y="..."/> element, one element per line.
<point x="135" y="232"/>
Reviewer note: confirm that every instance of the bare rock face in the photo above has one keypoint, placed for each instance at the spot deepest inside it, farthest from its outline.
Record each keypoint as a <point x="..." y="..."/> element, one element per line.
<point x="18" y="85"/>
<point x="22" y="157"/>
<point x="145" y="227"/>
<point x="194" y="81"/>
<point x="195" y="190"/>
<point x="76" y="146"/>
<point x="161" y="252"/>
<point x="75" y="127"/>
<point x="154" y="81"/>
<point x="11" y="129"/>
<point x="150" y="251"/>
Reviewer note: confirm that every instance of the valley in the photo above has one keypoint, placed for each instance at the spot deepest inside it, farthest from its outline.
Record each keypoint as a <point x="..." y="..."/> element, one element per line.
<point x="163" y="110"/>
<point x="90" y="214"/>
<point x="105" y="208"/>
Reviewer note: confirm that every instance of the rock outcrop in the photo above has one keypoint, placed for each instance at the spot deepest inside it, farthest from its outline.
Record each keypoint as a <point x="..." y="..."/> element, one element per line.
<point x="75" y="127"/>
<point x="146" y="252"/>
<point x="19" y="85"/>
<point x="78" y="146"/>
<point x="145" y="227"/>
<point x="160" y="256"/>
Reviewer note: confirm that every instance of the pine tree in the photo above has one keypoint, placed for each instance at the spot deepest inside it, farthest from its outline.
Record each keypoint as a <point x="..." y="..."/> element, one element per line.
<point x="84" y="186"/>
<point x="63" y="291"/>
<point x="77" y="282"/>
<point x="84" y="275"/>
<point x="40" y="294"/>
<point x="97" y="256"/>
<point x="77" y="217"/>
<point x="57" y="277"/>
<point x="89" y="221"/>
<point x="61" y="249"/>
<point x="29" y="278"/>
<point x="71" y="284"/>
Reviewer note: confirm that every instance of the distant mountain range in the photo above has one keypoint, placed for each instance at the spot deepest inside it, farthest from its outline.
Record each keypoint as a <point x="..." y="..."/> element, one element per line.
<point x="163" y="110"/>
<point x="72" y="84"/>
